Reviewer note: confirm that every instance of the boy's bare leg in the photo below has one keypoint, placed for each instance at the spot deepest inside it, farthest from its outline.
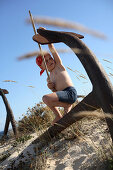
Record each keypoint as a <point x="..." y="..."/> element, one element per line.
<point x="57" y="113"/>
<point x="52" y="101"/>
<point x="57" y="117"/>
<point x="67" y="108"/>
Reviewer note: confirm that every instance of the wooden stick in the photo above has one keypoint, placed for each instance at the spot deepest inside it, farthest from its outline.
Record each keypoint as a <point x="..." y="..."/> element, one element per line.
<point x="39" y="45"/>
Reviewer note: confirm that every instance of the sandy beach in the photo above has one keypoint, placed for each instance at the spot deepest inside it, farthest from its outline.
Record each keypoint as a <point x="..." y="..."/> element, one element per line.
<point x="87" y="148"/>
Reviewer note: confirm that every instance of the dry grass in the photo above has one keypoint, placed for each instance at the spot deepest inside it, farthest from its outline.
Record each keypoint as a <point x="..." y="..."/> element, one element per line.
<point x="81" y="130"/>
<point x="59" y="50"/>
<point x="78" y="74"/>
<point x="12" y="81"/>
<point x="110" y="68"/>
<point x="35" y="119"/>
<point x="66" y="24"/>
<point x="29" y="55"/>
<point x="86" y="130"/>
<point x="107" y="61"/>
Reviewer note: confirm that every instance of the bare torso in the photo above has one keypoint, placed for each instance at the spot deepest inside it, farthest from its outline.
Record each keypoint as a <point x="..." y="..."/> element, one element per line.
<point x="60" y="77"/>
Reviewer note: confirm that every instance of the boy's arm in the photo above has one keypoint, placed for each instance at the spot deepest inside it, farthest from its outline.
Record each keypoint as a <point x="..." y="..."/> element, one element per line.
<point x="55" y="54"/>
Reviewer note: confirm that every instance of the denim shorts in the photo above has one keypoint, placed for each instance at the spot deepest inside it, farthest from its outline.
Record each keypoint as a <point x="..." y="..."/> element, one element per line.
<point x="68" y="95"/>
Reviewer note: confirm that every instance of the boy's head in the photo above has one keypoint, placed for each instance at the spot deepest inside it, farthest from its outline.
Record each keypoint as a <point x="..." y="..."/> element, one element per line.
<point x="49" y="62"/>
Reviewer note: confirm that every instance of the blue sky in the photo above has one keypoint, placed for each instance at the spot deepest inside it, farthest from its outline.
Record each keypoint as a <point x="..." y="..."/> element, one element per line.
<point x="16" y="40"/>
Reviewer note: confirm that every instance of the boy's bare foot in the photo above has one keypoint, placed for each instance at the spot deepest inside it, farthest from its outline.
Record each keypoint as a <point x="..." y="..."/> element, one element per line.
<point x="56" y="119"/>
<point x="67" y="108"/>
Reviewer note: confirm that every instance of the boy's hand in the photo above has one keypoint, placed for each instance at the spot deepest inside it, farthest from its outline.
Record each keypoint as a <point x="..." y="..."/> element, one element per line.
<point x="42" y="28"/>
<point x="51" y="85"/>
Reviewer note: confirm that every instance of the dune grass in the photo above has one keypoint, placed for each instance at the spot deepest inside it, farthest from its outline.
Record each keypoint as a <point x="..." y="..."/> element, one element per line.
<point x="39" y="118"/>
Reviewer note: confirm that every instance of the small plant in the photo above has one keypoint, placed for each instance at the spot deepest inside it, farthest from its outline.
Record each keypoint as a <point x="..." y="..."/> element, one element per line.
<point x="4" y="156"/>
<point x="23" y="139"/>
<point x="110" y="164"/>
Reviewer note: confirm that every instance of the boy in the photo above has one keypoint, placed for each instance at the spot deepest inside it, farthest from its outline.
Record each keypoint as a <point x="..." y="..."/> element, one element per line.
<point x="64" y="94"/>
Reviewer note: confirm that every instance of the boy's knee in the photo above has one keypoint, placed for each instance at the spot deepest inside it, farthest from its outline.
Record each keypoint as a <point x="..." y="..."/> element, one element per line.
<point x="45" y="98"/>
